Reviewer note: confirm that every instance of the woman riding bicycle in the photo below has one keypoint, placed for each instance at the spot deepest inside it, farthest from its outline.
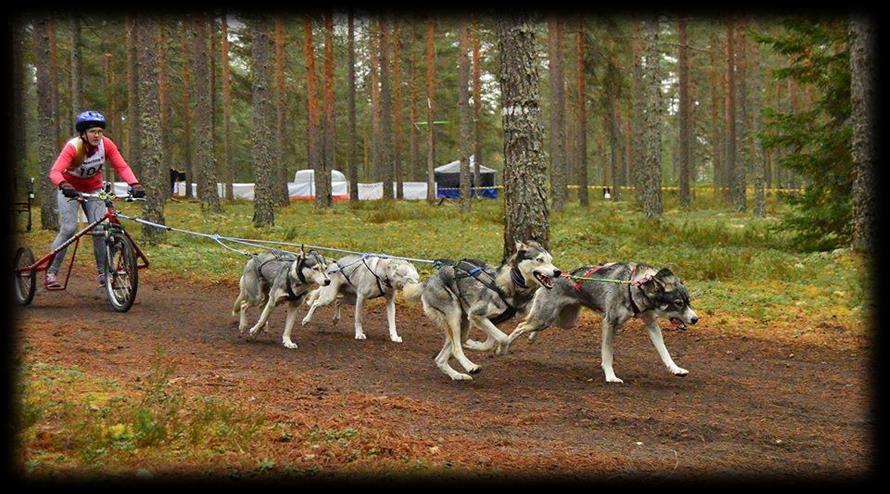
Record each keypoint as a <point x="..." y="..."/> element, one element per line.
<point x="78" y="169"/>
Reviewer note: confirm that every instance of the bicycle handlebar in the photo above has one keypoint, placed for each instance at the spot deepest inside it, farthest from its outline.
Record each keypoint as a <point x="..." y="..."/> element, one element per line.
<point x="107" y="196"/>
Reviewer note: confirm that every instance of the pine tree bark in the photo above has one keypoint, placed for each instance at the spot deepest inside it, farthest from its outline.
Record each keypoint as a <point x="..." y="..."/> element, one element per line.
<point x="330" y="122"/>
<point x="385" y="111"/>
<point x="322" y="176"/>
<point x="353" y="135"/>
<point x="731" y="113"/>
<point x="397" y="106"/>
<point x="717" y="142"/>
<point x="525" y="172"/>
<point x="20" y="136"/>
<point x="463" y="103"/>
<point x="153" y="178"/>
<point x="58" y="136"/>
<point x="203" y="132"/>
<point x="228" y="171"/>
<point x="557" y="116"/>
<point x="132" y="151"/>
<point x="414" y="150"/>
<point x="685" y="197"/>
<point x="583" y="196"/>
<point x="164" y="106"/>
<point x="76" y="71"/>
<point x="374" y="62"/>
<point x="862" y="69"/>
<point x="477" y="106"/>
<point x="651" y="173"/>
<point x="282" y="197"/>
<point x="430" y="97"/>
<point x="47" y="149"/>
<point x="263" y="116"/>
<point x="637" y="126"/>
<point x="187" y="60"/>
<point x="739" y="196"/>
<point x="756" y="126"/>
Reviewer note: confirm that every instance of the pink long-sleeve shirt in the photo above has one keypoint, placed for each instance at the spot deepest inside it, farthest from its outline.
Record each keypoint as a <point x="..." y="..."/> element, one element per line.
<point x="85" y="174"/>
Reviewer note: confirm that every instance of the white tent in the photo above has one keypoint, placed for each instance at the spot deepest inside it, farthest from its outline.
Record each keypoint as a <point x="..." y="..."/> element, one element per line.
<point x="454" y="167"/>
<point x="303" y="186"/>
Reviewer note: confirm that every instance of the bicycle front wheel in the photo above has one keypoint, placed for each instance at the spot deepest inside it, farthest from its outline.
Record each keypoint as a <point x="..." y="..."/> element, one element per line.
<point x="25" y="281"/>
<point x="121" y="274"/>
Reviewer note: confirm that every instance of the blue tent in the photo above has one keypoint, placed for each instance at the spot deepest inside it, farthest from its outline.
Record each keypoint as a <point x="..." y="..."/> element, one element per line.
<point x="448" y="180"/>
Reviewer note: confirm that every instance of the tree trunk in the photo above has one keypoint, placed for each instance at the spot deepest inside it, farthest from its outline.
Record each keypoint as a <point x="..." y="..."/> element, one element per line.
<point x="477" y="106"/>
<point x="583" y="196"/>
<point x="263" y="134"/>
<point x="651" y="176"/>
<point x="636" y="116"/>
<point x="353" y="135"/>
<point x="397" y="106"/>
<point x="756" y="126"/>
<point x="385" y="111"/>
<point x="20" y="138"/>
<point x="739" y="199"/>
<point x="330" y="123"/>
<point x="76" y="70"/>
<point x="58" y="137"/>
<point x="862" y="69"/>
<point x="47" y="149"/>
<point x="132" y="151"/>
<point x="187" y="112"/>
<point x="685" y="197"/>
<point x="153" y="178"/>
<point x="322" y="176"/>
<point x="731" y="114"/>
<point x="557" y="116"/>
<point x="525" y="172"/>
<point x="282" y="198"/>
<point x="716" y="112"/>
<point x="414" y="150"/>
<point x="374" y="62"/>
<point x="202" y="90"/>
<point x="430" y="97"/>
<point x="463" y="103"/>
<point x="228" y="171"/>
<point x="163" y="107"/>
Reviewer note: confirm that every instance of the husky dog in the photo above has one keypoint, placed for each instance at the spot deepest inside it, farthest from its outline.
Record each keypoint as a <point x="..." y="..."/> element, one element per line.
<point x="355" y="279"/>
<point x="275" y="277"/>
<point x="642" y="292"/>
<point x="470" y="292"/>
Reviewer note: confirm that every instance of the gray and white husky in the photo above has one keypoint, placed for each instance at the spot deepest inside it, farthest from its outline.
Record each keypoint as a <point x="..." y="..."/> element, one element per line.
<point x="470" y="292"/>
<point x="275" y="277"/>
<point x="355" y="279"/>
<point x="644" y="293"/>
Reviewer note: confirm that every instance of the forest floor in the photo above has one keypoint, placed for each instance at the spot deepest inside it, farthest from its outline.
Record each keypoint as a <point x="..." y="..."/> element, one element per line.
<point x="779" y="407"/>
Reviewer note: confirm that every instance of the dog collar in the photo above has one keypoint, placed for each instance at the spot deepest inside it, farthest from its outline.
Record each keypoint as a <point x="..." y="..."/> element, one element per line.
<point x="300" y="264"/>
<point x="517" y="279"/>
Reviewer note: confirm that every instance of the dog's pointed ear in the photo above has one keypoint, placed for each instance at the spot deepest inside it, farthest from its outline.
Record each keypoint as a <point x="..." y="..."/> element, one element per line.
<point x="664" y="273"/>
<point x="520" y="246"/>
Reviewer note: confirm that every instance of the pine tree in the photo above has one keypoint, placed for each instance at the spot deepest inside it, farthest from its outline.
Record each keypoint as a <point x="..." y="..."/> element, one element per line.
<point x="263" y="117"/>
<point x="153" y="178"/>
<point x="862" y="67"/>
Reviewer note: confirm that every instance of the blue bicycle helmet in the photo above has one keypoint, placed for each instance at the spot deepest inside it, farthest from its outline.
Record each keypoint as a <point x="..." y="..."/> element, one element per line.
<point x="89" y="119"/>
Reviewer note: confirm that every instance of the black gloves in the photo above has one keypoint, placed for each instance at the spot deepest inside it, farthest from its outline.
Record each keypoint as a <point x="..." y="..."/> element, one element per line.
<point x="137" y="190"/>
<point x="68" y="190"/>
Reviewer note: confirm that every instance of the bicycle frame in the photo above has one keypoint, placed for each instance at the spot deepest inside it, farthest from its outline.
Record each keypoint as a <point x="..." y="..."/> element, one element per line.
<point x="44" y="262"/>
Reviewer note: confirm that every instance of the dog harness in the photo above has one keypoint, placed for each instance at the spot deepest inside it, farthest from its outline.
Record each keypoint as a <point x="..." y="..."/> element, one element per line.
<point x="590" y="270"/>
<point x="287" y="258"/>
<point x="386" y="280"/>
<point x="637" y="284"/>
<point x="472" y="270"/>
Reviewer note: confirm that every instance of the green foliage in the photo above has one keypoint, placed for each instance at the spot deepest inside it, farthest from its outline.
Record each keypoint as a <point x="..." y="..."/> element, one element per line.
<point x="818" y="140"/>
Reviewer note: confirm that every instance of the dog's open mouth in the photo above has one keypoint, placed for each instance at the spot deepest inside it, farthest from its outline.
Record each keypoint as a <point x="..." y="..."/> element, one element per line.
<point x="679" y="325"/>
<point x="545" y="281"/>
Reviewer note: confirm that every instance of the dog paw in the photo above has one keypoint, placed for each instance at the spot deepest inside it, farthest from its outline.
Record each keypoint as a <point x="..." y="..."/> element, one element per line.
<point x="397" y="339"/>
<point x="304" y="322"/>
<point x="532" y="337"/>
<point x="289" y="344"/>
<point x="474" y="369"/>
<point x="361" y="336"/>
<point x="679" y="371"/>
<point x="461" y="377"/>
<point x="502" y="349"/>
<point x="613" y="379"/>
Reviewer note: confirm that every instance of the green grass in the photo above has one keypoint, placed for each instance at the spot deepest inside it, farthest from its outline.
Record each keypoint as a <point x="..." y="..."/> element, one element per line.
<point x="732" y="262"/>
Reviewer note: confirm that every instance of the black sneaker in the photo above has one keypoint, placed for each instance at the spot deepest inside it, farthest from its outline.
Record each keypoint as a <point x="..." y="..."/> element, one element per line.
<point x="101" y="280"/>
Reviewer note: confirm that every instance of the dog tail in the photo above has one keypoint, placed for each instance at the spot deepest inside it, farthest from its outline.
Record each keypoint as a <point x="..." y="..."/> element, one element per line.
<point x="412" y="292"/>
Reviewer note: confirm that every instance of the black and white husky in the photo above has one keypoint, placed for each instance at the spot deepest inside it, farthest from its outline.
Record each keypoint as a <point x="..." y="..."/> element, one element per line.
<point x="355" y="279"/>
<point x="642" y="292"/>
<point x="275" y="277"/>
<point x="470" y="292"/>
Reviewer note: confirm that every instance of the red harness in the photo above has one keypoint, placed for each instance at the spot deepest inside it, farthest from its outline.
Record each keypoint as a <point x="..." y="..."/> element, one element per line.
<point x="591" y="270"/>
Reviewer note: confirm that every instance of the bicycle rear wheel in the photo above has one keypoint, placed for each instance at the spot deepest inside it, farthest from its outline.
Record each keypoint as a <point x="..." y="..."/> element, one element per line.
<point x="121" y="274"/>
<point x="25" y="281"/>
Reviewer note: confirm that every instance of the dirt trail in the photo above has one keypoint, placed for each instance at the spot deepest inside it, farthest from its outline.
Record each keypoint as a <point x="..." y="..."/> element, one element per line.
<point x="747" y="407"/>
